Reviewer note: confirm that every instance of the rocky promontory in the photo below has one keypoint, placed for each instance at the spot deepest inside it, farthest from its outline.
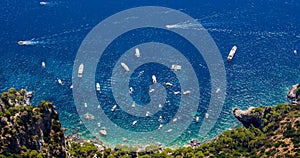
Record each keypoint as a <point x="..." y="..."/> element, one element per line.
<point x="30" y="131"/>
<point x="294" y="94"/>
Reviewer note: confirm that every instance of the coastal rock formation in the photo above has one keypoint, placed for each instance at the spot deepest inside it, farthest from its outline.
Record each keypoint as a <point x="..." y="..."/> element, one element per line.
<point x="249" y="117"/>
<point x="27" y="130"/>
<point x="294" y="94"/>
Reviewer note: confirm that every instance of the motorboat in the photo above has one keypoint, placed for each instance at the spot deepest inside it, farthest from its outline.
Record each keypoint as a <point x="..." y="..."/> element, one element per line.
<point x="43" y="64"/>
<point x="197" y="119"/>
<point x="186" y="92"/>
<point x="154" y="79"/>
<point x="159" y="127"/>
<point x="147" y="114"/>
<point x="169" y="84"/>
<point x="176" y="67"/>
<point x="125" y="67"/>
<point x="59" y="81"/>
<point x="137" y="53"/>
<point x="113" y="108"/>
<point x="21" y="43"/>
<point x="231" y="53"/>
<point x="80" y="70"/>
<point x="97" y="86"/>
<point x="134" y="123"/>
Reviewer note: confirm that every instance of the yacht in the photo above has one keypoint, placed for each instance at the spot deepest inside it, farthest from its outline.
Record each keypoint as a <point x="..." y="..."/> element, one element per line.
<point x="147" y="114"/>
<point x="169" y="130"/>
<point x="151" y="90"/>
<point x="59" y="81"/>
<point x="218" y="90"/>
<point x="206" y="115"/>
<point x="160" y="119"/>
<point x="80" y="70"/>
<point x="159" y="105"/>
<point x="175" y="120"/>
<point x="43" y="64"/>
<point x="197" y="119"/>
<point x="125" y="67"/>
<point x="154" y="79"/>
<point x="130" y="90"/>
<point x="186" y="92"/>
<point x="177" y="92"/>
<point x="133" y="105"/>
<point x="97" y="86"/>
<point x="137" y="53"/>
<point x="176" y="67"/>
<point x="21" y="43"/>
<point x="43" y="3"/>
<point x="169" y="84"/>
<point x="134" y="123"/>
<point x="231" y="53"/>
<point x="159" y="127"/>
<point x="295" y="52"/>
<point x="113" y="108"/>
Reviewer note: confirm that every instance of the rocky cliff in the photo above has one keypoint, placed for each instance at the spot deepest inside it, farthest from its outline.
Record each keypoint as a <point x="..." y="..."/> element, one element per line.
<point x="294" y="94"/>
<point x="29" y="130"/>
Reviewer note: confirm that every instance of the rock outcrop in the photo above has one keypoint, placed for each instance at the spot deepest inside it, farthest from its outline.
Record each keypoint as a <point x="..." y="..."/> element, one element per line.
<point x="294" y="94"/>
<point x="29" y="130"/>
<point x="249" y="117"/>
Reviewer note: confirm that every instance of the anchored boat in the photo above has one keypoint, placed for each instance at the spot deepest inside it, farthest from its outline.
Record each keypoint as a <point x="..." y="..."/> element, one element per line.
<point x="231" y="53"/>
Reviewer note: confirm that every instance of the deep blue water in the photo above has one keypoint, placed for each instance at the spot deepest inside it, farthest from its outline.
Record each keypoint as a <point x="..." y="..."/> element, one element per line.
<point x="266" y="33"/>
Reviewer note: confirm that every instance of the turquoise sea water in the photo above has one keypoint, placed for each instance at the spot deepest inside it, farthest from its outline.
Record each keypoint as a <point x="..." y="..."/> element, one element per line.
<point x="266" y="33"/>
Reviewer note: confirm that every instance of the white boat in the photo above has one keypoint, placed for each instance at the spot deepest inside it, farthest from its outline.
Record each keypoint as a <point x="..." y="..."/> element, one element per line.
<point x="43" y="64"/>
<point x="159" y="127"/>
<point x="169" y="130"/>
<point x="160" y="119"/>
<point x="113" y="108"/>
<point x="197" y="119"/>
<point x="80" y="70"/>
<point x="137" y="53"/>
<point x="43" y="3"/>
<point x="186" y="92"/>
<point x="134" y="123"/>
<point x="85" y="105"/>
<point x="169" y="84"/>
<point x="176" y="67"/>
<point x="125" y="67"/>
<point x="99" y="125"/>
<point x="231" y="53"/>
<point x="154" y="79"/>
<point x="206" y="115"/>
<point x="147" y="114"/>
<point x="295" y="52"/>
<point x="71" y="86"/>
<point x="21" y="43"/>
<point x="133" y="105"/>
<point x="97" y="86"/>
<point x="175" y="120"/>
<point x="159" y="105"/>
<point x="130" y="90"/>
<point x="177" y="92"/>
<point x="59" y="81"/>
<point x="151" y="90"/>
<point x="218" y="90"/>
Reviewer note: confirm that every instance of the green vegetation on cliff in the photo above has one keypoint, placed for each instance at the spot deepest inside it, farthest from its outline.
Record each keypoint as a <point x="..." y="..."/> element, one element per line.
<point x="28" y="131"/>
